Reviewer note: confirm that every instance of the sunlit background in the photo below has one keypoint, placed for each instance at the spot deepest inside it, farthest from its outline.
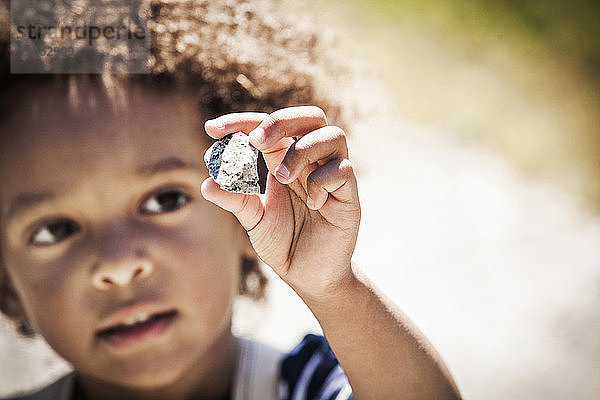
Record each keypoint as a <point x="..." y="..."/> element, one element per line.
<point x="478" y="151"/>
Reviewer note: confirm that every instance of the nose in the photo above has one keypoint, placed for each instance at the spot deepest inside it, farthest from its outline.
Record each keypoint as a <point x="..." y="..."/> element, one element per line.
<point x="122" y="273"/>
<point x="122" y="259"/>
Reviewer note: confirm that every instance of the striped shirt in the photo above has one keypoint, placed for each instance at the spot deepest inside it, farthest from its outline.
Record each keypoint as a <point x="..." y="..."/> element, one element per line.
<point x="311" y="372"/>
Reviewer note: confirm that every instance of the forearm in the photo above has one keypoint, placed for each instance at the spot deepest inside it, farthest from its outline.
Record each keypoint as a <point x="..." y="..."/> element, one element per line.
<point x="382" y="352"/>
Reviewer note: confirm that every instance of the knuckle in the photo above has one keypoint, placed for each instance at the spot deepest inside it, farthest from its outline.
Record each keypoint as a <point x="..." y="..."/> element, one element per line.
<point x="316" y="110"/>
<point x="318" y="113"/>
<point x="346" y="167"/>
<point x="338" y="139"/>
<point x="338" y="134"/>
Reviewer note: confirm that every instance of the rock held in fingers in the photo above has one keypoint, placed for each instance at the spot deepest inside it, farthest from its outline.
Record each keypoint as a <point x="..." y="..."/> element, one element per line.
<point x="232" y="163"/>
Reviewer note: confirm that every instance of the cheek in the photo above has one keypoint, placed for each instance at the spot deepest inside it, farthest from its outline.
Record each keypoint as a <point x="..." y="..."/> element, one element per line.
<point x="204" y="250"/>
<point x="40" y="279"/>
<point x="50" y="285"/>
<point x="57" y="312"/>
<point x="62" y="320"/>
<point x="207" y="239"/>
<point x="208" y="260"/>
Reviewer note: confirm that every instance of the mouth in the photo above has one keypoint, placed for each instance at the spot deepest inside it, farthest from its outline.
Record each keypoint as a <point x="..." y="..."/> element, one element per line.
<point x="136" y="328"/>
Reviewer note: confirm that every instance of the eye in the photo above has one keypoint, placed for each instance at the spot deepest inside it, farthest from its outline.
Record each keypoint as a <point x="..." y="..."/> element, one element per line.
<point x="53" y="233"/>
<point x="165" y="202"/>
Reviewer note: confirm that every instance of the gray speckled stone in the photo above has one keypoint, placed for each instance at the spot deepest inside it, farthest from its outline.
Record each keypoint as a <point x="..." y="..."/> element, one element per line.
<point x="232" y="163"/>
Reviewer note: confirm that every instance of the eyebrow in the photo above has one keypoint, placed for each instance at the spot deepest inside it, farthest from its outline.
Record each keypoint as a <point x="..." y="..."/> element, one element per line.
<point x="28" y="200"/>
<point x="165" y="165"/>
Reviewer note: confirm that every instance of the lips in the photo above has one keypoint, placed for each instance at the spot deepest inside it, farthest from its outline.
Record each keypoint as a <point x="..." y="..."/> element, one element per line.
<point x="135" y="324"/>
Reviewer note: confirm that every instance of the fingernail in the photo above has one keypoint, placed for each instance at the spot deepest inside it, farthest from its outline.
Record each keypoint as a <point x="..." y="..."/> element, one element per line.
<point x="216" y="123"/>
<point x="258" y="135"/>
<point x="283" y="172"/>
<point x="310" y="203"/>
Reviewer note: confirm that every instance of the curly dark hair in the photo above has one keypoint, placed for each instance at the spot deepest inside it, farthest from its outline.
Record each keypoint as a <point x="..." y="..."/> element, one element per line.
<point x="229" y="55"/>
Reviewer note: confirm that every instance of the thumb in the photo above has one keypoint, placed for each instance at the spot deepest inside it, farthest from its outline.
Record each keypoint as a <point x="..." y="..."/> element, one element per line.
<point x="247" y="208"/>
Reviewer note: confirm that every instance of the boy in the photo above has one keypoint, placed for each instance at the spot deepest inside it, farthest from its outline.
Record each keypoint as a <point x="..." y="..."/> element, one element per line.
<point x="111" y="252"/>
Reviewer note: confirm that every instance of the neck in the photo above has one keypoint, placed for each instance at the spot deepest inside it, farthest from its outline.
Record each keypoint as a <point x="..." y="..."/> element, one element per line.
<point x="209" y="378"/>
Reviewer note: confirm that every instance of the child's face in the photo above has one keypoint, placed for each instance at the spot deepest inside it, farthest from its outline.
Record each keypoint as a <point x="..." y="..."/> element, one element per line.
<point x="103" y="222"/>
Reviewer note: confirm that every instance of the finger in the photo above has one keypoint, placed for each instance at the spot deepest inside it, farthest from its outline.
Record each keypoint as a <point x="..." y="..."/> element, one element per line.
<point x="234" y="122"/>
<point x="336" y="180"/>
<point x="316" y="147"/>
<point x="246" y="122"/>
<point x="275" y="155"/>
<point x="248" y="209"/>
<point x="287" y="122"/>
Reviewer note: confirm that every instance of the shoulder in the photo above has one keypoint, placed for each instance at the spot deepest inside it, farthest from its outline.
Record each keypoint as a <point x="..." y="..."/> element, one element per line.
<point x="311" y="371"/>
<point x="58" y="390"/>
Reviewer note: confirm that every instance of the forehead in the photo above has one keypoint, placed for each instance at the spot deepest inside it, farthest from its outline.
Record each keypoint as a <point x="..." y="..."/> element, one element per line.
<point x="45" y="143"/>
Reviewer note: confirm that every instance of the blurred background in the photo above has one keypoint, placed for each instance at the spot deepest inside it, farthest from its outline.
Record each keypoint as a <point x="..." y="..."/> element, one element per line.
<point x="478" y="153"/>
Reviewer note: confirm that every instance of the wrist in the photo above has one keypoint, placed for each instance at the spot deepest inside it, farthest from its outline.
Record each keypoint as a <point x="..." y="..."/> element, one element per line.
<point x="332" y="293"/>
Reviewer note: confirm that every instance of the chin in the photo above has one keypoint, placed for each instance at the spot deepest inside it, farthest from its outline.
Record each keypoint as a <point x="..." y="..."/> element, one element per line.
<point x="158" y="378"/>
<point x="147" y="376"/>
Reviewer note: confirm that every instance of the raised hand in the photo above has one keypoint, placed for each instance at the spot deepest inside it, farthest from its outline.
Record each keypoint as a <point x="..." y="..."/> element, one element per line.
<point x="306" y="224"/>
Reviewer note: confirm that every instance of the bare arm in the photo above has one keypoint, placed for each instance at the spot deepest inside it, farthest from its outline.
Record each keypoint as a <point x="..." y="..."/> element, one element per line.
<point x="305" y="227"/>
<point x="383" y="354"/>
